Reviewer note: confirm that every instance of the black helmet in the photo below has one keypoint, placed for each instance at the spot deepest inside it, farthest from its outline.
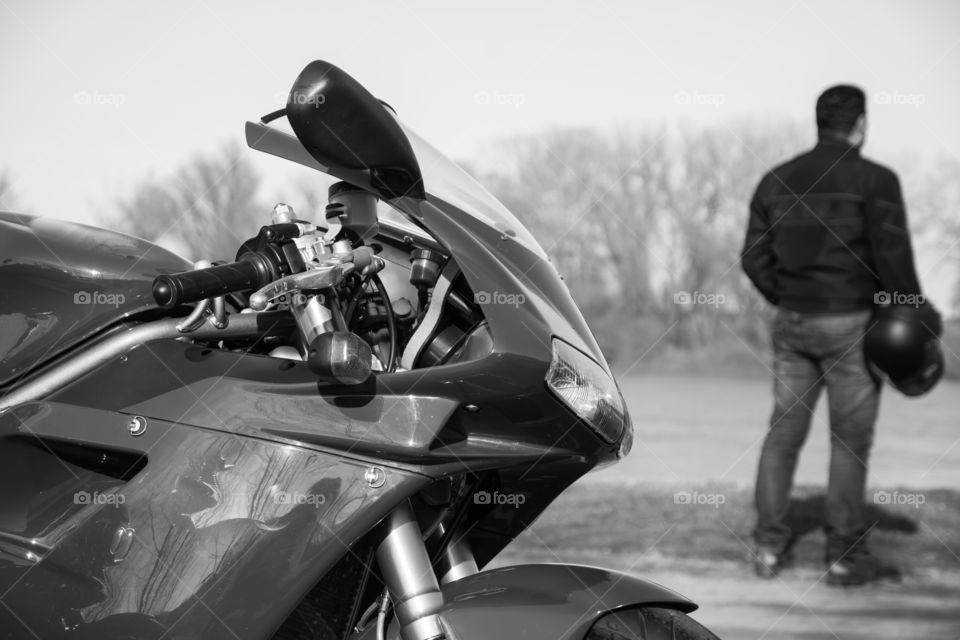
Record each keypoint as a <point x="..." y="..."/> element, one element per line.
<point x="903" y="345"/>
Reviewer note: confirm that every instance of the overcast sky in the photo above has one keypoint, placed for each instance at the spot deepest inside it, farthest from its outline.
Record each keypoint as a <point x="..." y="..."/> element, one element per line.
<point x="99" y="94"/>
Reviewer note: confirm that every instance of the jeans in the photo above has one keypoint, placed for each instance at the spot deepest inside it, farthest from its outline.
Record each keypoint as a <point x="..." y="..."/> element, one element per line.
<point x="810" y="352"/>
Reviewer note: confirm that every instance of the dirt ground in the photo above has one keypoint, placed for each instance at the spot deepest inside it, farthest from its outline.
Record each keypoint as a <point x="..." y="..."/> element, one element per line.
<point x="697" y="432"/>
<point x="801" y="607"/>
<point x="702" y="429"/>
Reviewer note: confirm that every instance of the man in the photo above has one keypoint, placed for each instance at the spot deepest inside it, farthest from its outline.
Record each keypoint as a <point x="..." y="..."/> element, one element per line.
<point x="827" y="239"/>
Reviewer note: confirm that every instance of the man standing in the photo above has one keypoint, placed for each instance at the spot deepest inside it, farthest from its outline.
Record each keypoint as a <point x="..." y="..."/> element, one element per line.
<point x="827" y="239"/>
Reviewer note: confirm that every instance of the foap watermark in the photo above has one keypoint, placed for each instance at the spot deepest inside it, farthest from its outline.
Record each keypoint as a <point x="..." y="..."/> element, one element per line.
<point x="98" y="98"/>
<point x="97" y="498"/>
<point x="695" y="98"/>
<point x="689" y="299"/>
<point x="697" y="499"/>
<point x="499" y="297"/>
<point x="896" y="497"/>
<point x="899" y="299"/>
<point x="299" y="98"/>
<point x="299" y="299"/>
<point x="915" y="100"/>
<point x="497" y="498"/>
<point x="497" y="99"/>
<point x="298" y="498"/>
<point x="98" y="298"/>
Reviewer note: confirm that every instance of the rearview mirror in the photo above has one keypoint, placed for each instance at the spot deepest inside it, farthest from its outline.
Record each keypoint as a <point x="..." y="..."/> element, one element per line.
<point x="343" y="126"/>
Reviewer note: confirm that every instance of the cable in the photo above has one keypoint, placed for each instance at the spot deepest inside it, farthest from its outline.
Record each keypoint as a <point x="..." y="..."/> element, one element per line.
<point x="382" y="615"/>
<point x="352" y="300"/>
<point x="391" y="322"/>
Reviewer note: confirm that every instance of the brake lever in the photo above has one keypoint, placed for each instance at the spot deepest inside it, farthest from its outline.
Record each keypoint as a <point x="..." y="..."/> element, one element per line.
<point x="330" y="274"/>
<point x="323" y="277"/>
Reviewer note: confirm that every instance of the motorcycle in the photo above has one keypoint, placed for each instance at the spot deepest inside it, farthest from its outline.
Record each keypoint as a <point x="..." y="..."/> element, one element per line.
<point x="329" y="437"/>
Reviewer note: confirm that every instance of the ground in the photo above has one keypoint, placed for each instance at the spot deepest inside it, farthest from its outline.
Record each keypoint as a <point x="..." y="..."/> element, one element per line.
<point x="678" y="511"/>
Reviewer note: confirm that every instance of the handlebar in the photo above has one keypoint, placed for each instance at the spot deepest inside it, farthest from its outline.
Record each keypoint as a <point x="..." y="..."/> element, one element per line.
<point x="252" y="272"/>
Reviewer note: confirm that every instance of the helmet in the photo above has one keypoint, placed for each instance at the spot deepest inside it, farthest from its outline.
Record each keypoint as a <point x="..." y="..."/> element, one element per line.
<point x="902" y="345"/>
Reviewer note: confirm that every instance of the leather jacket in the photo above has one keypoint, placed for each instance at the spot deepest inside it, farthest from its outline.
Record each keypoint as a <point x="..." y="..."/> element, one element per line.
<point x="828" y="232"/>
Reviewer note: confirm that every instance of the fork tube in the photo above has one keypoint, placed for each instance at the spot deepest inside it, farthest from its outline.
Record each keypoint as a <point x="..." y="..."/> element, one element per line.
<point x="458" y="560"/>
<point x="406" y="570"/>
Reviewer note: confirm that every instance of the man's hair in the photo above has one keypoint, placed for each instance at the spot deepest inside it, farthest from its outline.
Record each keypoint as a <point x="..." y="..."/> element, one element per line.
<point x="839" y="107"/>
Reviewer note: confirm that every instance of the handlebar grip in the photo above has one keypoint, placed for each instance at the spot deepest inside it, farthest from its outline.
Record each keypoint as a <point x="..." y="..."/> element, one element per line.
<point x="193" y="286"/>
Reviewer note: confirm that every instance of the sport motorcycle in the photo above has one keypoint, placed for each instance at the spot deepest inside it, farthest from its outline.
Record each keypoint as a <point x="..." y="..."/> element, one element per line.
<point x="331" y="436"/>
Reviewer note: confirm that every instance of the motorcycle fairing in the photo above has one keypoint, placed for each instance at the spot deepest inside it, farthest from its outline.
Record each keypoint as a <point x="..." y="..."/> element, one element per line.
<point x="412" y="421"/>
<point x="61" y="282"/>
<point x="179" y="529"/>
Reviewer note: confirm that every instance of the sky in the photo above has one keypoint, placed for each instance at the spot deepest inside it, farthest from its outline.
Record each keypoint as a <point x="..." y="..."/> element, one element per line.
<point x="100" y="94"/>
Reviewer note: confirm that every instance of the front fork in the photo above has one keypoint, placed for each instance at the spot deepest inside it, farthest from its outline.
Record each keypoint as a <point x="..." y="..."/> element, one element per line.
<point x="409" y="577"/>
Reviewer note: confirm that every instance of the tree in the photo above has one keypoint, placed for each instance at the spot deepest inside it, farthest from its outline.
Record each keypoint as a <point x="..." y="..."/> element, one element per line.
<point x="585" y="194"/>
<point x="715" y="172"/>
<point x="634" y="216"/>
<point x="932" y="192"/>
<point x="8" y="200"/>
<point x="206" y="209"/>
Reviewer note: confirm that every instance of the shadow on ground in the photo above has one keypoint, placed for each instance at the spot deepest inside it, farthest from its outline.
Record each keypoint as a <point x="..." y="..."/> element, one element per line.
<point x="912" y="537"/>
<point x="807" y="519"/>
<point x="808" y="514"/>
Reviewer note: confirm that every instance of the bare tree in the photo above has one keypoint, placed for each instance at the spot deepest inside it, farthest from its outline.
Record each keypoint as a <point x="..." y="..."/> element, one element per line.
<point x="634" y="216"/>
<point x="707" y="198"/>
<point x="8" y="200"/>
<point x="207" y="208"/>
<point x="588" y="197"/>
<point x="932" y="193"/>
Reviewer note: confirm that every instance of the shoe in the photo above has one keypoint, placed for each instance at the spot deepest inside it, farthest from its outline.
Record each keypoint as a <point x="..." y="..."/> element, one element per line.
<point x="858" y="568"/>
<point x="768" y="561"/>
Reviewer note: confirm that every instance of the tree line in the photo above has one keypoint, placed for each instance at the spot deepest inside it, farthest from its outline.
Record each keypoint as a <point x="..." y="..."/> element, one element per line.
<point x="645" y="223"/>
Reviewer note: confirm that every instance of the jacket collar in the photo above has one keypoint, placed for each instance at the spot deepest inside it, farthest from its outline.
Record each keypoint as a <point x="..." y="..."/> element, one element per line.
<point x="833" y="144"/>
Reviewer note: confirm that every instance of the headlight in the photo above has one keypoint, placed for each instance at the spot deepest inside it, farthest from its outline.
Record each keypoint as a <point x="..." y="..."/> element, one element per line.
<point x="588" y="390"/>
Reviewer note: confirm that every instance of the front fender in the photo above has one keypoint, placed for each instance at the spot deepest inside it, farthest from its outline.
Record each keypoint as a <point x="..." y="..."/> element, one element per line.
<point x="549" y="601"/>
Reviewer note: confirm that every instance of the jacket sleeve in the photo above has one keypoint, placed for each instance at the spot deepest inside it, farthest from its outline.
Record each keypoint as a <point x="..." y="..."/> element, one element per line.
<point x="757" y="257"/>
<point x="889" y="237"/>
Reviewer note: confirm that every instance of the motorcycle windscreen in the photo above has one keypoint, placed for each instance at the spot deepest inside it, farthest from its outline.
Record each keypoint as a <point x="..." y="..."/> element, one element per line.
<point x="475" y="226"/>
<point x="443" y="179"/>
